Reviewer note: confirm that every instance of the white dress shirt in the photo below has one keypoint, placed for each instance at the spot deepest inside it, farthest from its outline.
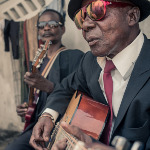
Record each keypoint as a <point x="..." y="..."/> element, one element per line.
<point x="124" y="62"/>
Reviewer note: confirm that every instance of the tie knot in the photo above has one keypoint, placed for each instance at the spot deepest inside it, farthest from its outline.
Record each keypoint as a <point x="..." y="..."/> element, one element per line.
<point x="109" y="66"/>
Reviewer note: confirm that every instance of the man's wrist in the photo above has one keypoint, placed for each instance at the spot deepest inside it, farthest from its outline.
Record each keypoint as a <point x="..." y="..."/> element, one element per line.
<point x="49" y="116"/>
<point x="52" y="112"/>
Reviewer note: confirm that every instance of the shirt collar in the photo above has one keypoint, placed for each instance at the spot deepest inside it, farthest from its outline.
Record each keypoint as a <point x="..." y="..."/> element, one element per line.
<point x="125" y="60"/>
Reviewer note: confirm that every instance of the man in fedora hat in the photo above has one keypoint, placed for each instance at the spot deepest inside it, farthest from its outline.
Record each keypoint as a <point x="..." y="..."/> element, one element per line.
<point x="116" y="72"/>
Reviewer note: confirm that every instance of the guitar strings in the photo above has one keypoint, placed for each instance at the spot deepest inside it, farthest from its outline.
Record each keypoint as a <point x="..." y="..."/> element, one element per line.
<point x="52" y="140"/>
<point x="71" y="139"/>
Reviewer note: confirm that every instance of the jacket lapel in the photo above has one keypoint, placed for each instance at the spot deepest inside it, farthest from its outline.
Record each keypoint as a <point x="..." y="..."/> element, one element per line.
<point x="95" y="89"/>
<point x="139" y="76"/>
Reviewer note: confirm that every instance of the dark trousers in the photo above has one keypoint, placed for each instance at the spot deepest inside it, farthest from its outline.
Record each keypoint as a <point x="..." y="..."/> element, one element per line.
<point x="21" y="142"/>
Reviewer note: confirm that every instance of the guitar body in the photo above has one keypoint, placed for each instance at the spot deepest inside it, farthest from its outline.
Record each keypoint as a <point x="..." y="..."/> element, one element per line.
<point x="29" y="114"/>
<point x="90" y="116"/>
<point x="31" y="110"/>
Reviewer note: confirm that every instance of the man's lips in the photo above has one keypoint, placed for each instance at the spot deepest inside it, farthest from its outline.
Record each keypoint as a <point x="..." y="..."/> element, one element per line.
<point x="92" y="41"/>
<point x="47" y="35"/>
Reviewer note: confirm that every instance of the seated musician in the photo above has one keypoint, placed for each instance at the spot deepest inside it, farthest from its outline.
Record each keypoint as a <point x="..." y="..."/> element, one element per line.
<point x="116" y="72"/>
<point x="50" y="27"/>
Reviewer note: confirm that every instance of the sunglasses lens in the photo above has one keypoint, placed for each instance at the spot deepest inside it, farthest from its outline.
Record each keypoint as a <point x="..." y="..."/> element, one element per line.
<point x="41" y="25"/>
<point x="96" y="10"/>
<point x="52" y="23"/>
<point x="79" y="18"/>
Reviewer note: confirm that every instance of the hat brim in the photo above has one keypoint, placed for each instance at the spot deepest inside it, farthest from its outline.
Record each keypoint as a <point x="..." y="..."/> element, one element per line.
<point x="73" y="6"/>
<point x="144" y="6"/>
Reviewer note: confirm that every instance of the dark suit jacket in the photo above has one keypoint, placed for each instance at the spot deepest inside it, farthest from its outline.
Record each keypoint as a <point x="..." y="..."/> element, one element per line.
<point x="133" y="120"/>
<point x="65" y="63"/>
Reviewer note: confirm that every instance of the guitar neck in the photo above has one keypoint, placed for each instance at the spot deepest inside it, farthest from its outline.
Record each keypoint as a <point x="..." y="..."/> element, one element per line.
<point x="31" y="96"/>
<point x="38" y="59"/>
<point x="31" y="90"/>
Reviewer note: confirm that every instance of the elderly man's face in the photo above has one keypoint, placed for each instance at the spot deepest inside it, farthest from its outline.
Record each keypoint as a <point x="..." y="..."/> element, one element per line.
<point x="48" y="33"/>
<point x="108" y="36"/>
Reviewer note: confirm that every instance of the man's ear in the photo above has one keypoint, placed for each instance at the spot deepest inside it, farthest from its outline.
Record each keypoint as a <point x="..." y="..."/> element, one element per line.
<point x="133" y="16"/>
<point x="63" y="29"/>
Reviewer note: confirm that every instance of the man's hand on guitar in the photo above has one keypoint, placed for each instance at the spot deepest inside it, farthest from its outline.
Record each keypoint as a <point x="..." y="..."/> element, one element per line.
<point x="60" y="145"/>
<point x="72" y="130"/>
<point x="36" y="80"/>
<point x="84" y="145"/>
<point x="22" y="109"/>
<point x="41" y="132"/>
<point x="76" y="132"/>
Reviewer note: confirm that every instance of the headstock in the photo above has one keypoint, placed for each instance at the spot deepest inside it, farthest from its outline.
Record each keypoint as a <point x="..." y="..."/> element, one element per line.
<point x="41" y="54"/>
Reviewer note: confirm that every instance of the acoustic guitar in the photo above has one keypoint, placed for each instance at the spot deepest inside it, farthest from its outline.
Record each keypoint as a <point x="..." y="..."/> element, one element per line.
<point x="33" y="96"/>
<point x="89" y="115"/>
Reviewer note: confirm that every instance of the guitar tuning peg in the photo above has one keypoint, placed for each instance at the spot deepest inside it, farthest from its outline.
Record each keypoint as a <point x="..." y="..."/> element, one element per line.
<point x="38" y="66"/>
<point x="120" y="143"/>
<point x="42" y="45"/>
<point x="45" y="55"/>
<point x="50" y="42"/>
<point x="39" y="50"/>
<point x="40" y="61"/>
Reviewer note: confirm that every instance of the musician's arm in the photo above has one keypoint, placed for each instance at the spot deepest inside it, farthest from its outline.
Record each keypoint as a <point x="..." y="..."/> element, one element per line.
<point x="58" y="100"/>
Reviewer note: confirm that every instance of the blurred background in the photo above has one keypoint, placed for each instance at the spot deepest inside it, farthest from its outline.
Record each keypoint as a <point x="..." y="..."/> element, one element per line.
<point x="20" y="16"/>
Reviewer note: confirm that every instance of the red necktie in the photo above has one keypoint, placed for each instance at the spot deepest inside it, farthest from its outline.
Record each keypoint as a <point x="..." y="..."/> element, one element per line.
<point x="108" y="86"/>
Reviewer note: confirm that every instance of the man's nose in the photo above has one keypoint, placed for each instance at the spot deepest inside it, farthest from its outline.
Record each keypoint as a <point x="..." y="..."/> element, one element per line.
<point x="88" y="24"/>
<point x="47" y="27"/>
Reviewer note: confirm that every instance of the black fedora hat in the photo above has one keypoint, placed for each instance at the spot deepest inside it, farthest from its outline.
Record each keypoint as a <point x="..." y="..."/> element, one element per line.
<point x="144" y="6"/>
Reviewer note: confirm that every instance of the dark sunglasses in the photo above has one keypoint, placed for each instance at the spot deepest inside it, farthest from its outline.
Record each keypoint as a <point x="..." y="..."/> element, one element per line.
<point x="51" y="24"/>
<point x="95" y="10"/>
